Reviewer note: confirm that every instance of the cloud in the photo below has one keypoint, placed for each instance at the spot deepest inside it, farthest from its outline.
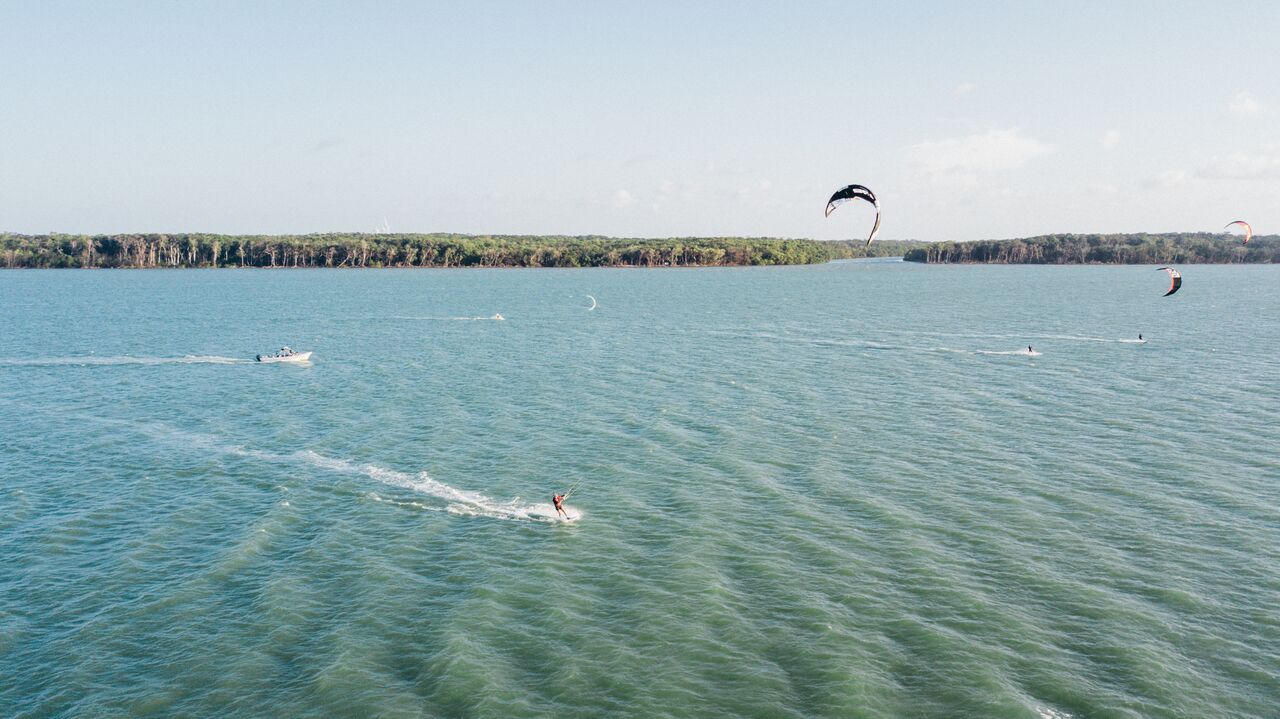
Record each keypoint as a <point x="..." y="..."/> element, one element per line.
<point x="623" y="199"/>
<point x="1261" y="165"/>
<point x="639" y="159"/>
<point x="326" y="143"/>
<point x="754" y="190"/>
<point x="992" y="151"/>
<point x="1169" y="178"/>
<point x="964" y="88"/>
<point x="1110" y="139"/>
<point x="1244" y="105"/>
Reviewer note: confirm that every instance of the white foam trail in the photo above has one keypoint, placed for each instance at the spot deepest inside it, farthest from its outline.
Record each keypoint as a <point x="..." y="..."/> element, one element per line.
<point x="458" y="501"/>
<point x="1024" y="353"/>
<point x="1079" y="338"/>
<point x="124" y="360"/>
<point x="496" y="317"/>
<point x="455" y="501"/>
<point x="1067" y="338"/>
<point x="593" y="303"/>
<point x="415" y="505"/>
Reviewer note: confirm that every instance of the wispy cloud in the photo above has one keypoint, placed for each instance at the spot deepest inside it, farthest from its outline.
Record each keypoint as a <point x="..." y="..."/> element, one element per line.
<point x="642" y="158"/>
<point x="1244" y="105"/>
<point x="1169" y="178"/>
<point x="964" y="88"/>
<point x="1263" y="164"/>
<point x="325" y="143"/>
<point x="623" y="199"/>
<point x="992" y="151"/>
<point x="754" y="190"/>
<point x="1110" y="139"/>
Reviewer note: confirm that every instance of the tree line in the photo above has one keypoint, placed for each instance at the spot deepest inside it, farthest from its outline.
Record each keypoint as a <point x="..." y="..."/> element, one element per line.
<point x="1133" y="249"/>
<point x="456" y="250"/>
<point x="416" y="250"/>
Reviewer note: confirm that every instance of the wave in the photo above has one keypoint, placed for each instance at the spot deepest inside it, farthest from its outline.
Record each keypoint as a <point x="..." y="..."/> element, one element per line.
<point x="451" y="499"/>
<point x="1024" y="353"/>
<point x="1083" y="338"/>
<point x="1064" y="338"/>
<point x="123" y="360"/>
<point x="496" y="317"/>
<point x="456" y="501"/>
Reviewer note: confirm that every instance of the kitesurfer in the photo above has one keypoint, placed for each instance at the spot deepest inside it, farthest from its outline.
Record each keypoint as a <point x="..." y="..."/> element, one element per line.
<point x="1139" y="336"/>
<point x="556" y="499"/>
<point x="1029" y="350"/>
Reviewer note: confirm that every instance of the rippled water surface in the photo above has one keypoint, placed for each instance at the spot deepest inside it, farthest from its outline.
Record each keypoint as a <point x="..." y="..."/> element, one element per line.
<point x="833" y="491"/>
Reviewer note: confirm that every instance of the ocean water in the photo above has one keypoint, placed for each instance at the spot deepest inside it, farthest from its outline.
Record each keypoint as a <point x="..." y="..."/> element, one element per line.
<point x="836" y="491"/>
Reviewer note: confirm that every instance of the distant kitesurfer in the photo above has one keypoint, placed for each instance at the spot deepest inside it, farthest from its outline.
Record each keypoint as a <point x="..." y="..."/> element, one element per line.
<point x="1139" y="336"/>
<point x="1029" y="350"/>
<point x="556" y="499"/>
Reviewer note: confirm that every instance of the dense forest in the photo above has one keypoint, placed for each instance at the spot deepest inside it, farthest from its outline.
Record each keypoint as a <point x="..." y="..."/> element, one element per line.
<point x="453" y="250"/>
<point x="414" y="250"/>
<point x="1138" y="249"/>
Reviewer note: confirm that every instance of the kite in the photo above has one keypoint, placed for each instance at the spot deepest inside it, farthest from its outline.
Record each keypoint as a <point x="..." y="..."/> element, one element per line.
<point x="1248" y="231"/>
<point x="856" y="192"/>
<point x="1176" y="278"/>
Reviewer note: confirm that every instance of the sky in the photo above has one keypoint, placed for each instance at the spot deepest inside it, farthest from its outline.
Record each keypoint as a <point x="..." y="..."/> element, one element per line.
<point x="970" y="120"/>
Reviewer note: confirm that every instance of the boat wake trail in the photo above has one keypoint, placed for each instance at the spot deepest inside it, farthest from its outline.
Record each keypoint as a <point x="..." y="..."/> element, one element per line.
<point x="91" y="360"/>
<point x="456" y="501"/>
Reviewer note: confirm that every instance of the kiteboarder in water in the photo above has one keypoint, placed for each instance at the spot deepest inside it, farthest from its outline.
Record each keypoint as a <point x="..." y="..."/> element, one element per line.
<point x="1029" y="350"/>
<point x="556" y="499"/>
<point x="1139" y="336"/>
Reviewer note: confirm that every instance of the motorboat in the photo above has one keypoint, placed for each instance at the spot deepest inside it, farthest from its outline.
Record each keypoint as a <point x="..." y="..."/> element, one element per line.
<point x="285" y="355"/>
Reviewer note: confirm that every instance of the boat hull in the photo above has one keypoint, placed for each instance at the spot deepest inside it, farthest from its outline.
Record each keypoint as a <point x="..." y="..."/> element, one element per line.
<point x="300" y="357"/>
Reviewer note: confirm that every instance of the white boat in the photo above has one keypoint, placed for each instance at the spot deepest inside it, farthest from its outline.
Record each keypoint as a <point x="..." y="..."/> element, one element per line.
<point x="285" y="355"/>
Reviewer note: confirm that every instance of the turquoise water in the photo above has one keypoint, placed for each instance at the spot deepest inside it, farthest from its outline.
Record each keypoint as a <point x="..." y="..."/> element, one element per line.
<point x="832" y="491"/>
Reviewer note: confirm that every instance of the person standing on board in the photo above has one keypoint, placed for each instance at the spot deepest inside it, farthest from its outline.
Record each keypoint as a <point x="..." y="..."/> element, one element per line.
<point x="556" y="499"/>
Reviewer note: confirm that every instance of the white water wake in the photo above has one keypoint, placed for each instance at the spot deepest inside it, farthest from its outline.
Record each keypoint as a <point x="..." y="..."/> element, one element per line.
<point x="1024" y="353"/>
<point x="496" y="317"/>
<point x="88" y="360"/>
<point x="449" y="499"/>
<point x="1064" y="338"/>
<point x="456" y="501"/>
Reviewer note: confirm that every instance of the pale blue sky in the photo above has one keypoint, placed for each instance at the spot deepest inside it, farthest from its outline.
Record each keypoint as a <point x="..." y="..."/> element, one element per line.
<point x="970" y="120"/>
